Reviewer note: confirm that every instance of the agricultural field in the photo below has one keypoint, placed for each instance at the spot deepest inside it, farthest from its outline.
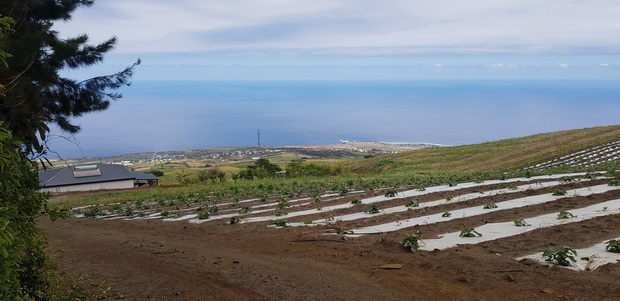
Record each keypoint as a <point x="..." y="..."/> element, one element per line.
<point x="529" y="234"/>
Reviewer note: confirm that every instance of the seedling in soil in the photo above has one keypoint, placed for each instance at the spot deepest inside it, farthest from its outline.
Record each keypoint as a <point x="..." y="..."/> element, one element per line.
<point x="94" y="211"/>
<point x="412" y="203"/>
<point x="329" y="218"/>
<point x="521" y="223"/>
<point x="449" y="198"/>
<point x="356" y="202"/>
<point x="343" y="231"/>
<point x="214" y="209"/>
<point x="280" y="224"/>
<point x="411" y="241"/>
<point x="613" y="246"/>
<point x="129" y="212"/>
<point x="421" y="188"/>
<point x="565" y="215"/>
<point x="282" y="204"/>
<point x="559" y="192"/>
<point x="279" y="213"/>
<point x="373" y="209"/>
<point x="469" y="232"/>
<point x="245" y="210"/>
<point x="446" y="214"/>
<point x="513" y="187"/>
<point x="204" y="215"/>
<point x="234" y="220"/>
<point x="490" y="206"/>
<point x="307" y="221"/>
<point x="164" y="213"/>
<point x="391" y="193"/>
<point x="561" y="255"/>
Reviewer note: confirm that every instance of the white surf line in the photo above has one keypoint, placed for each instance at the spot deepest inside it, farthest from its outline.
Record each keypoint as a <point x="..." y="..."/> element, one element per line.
<point x="596" y="255"/>
<point x="495" y="231"/>
<point x="405" y="194"/>
<point x="457" y="199"/>
<point x="478" y="210"/>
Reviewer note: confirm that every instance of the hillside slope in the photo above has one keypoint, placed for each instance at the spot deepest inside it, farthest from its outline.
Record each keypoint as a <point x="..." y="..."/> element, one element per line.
<point x="502" y="155"/>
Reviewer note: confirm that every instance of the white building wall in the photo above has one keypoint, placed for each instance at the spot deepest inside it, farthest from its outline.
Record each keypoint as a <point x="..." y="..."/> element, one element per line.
<point x="92" y="186"/>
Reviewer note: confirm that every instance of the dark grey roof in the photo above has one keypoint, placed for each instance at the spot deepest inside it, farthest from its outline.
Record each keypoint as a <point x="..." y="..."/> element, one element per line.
<point x="138" y="175"/>
<point x="86" y="174"/>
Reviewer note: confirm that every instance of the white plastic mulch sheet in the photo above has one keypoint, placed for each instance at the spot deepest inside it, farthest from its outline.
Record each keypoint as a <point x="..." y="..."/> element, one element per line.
<point x="494" y="231"/>
<point x="474" y="211"/>
<point x="588" y="259"/>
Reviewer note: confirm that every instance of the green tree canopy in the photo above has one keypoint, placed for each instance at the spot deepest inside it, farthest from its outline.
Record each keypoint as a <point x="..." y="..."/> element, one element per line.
<point x="35" y="94"/>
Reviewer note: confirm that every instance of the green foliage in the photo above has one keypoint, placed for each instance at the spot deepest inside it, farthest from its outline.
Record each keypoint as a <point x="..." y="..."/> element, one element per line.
<point x="489" y="206"/>
<point x="356" y="202"/>
<point x="391" y="193"/>
<point x="157" y="173"/>
<point x="374" y="208"/>
<point x="613" y="246"/>
<point x="412" y="203"/>
<point x="563" y="256"/>
<point x="93" y="211"/>
<point x="234" y="220"/>
<point x="245" y="210"/>
<point x="302" y="169"/>
<point x="343" y="231"/>
<point x="559" y="192"/>
<point x="565" y="215"/>
<point x="469" y="232"/>
<point x="204" y="215"/>
<point x="211" y="174"/>
<point x="446" y="214"/>
<point x="279" y="213"/>
<point x="22" y="256"/>
<point x="183" y="177"/>
<point x="36" y="92"/>
<point x="411" y="241"/>
<point x="521" y="223"/>
<point x="280" y="223"/>
<point x="262" y="168"/>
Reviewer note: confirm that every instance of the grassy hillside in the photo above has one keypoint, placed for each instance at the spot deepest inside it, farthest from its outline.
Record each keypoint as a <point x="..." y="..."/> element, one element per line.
<point x="503" y="155"/>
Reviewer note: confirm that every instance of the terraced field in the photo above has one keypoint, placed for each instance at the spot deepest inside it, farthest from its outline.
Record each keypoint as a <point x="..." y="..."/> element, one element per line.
<point x="376" y="222"/>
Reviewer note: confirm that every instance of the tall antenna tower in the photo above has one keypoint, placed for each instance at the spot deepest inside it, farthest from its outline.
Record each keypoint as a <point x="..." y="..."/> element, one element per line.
<point x="258" y="137"/>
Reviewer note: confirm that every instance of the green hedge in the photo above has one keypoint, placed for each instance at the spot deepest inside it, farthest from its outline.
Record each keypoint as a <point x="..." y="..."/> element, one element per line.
<point x="22" y="256"/>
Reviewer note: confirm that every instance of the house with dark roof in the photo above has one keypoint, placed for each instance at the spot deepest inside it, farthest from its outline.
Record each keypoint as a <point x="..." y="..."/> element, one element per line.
<point x="92" y="177"/>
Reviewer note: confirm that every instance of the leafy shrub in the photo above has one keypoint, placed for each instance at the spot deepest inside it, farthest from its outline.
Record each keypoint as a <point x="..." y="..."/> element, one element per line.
<point x="374" y="208"/>
<point x="391" y="193"/>
<point x="559" y="192"/>
<point x="521" y="223"/>
<point x="280" y="223"/>
<point x="157" y="173"/>
<point x="343" y="231"/>
<point x="245" y="210"/>
<point x="411" y="241"/>
<point x="613" y="246"/>
<point x="489" y="206"/>
<point x="565" y="215"/>
<point x="561" y="255"/>
<point x="412" y="203"/>
<point x="469" y="232"/>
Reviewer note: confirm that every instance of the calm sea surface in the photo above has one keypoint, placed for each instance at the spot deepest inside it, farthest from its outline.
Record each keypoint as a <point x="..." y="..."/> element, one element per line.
<point x="161" y="116"/>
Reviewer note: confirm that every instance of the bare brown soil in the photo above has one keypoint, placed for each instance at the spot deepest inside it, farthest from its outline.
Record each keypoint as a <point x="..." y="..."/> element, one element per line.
<point x="156" y="260"/>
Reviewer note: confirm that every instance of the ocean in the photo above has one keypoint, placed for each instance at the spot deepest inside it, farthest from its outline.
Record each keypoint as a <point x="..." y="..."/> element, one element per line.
<point x="155" y="116"/>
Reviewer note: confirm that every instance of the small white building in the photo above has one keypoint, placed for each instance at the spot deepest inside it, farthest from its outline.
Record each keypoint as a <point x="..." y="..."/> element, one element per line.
<point x="90" y="177"/>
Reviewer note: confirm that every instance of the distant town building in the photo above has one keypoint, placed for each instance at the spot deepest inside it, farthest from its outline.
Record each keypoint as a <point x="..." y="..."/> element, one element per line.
<point x="92" y="177"/>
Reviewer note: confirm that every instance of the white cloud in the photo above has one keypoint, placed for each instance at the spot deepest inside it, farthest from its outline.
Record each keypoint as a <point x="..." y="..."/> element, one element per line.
<point x="363" y="27"/>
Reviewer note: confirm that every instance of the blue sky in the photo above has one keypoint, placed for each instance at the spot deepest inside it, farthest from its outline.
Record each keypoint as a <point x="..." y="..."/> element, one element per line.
<point x="356" y="39"/>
